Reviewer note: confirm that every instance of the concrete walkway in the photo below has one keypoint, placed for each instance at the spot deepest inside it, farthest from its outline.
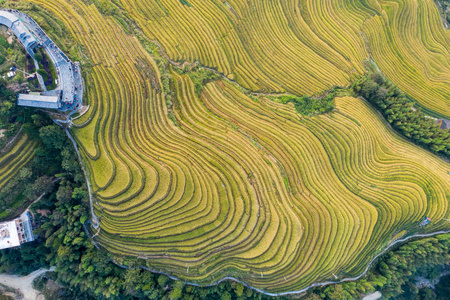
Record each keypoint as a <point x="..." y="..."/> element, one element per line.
<point x="23" y="284"/>
<point x="373" y="296"/>
<point x="39" y="77"/>
<point x="41" y="82"/>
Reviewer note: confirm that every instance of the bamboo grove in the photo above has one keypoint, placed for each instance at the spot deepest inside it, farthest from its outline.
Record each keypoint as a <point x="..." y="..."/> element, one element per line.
<point x="399" y="111"/>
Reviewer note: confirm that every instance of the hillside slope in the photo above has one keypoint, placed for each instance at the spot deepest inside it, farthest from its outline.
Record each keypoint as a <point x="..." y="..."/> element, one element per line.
<point x="308" y="46"/>
<point x="238" y="185"/>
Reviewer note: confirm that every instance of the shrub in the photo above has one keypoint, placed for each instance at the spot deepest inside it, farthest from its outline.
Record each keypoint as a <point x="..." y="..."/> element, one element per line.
<point x="309" y="106"/>
<point x="38" y="56"/>
<point x="4" y="42"/>
<point x="185" y="2"/>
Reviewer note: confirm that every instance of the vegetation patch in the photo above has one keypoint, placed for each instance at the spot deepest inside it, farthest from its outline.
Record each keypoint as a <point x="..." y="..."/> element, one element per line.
<point x="46" y="68"/>
<point x="400" y="112"/>
<point x="308" y="106"/>
<point x="185" y="2"/>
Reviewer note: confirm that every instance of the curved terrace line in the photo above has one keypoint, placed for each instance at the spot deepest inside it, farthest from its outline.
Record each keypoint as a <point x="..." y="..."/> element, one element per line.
<point x="317" y="284"/>
<point x="68" y="122"/>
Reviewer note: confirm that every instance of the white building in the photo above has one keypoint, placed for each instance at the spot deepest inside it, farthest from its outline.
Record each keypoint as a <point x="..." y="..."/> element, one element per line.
<point x="16" y="232"/>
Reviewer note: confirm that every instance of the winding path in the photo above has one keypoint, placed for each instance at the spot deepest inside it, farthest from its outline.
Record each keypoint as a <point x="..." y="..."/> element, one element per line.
<point x="94" y="220"/>
<point x="24" y="283"/>
<point x="317" y="284"/>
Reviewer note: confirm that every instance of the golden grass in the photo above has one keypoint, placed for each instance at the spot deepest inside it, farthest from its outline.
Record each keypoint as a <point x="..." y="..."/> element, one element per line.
<point x="243" y="187"/>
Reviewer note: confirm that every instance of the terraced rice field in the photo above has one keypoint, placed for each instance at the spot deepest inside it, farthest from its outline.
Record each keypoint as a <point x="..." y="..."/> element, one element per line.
<point x="307" y="46"/>
<point x="245" y="186"/>
<point x="409" y="44"/>
<point x="17" y="156"/>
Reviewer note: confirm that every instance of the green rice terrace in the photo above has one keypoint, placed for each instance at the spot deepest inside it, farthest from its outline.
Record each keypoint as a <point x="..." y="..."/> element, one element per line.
<point x="206" y="159"/>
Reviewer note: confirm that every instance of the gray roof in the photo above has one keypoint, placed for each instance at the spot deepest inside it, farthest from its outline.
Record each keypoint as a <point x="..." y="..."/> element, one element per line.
<point x="23" y="34"/>
<point x="38" y="101"/>
<point x="445" y="124"/>
<point x="7" y="18"/>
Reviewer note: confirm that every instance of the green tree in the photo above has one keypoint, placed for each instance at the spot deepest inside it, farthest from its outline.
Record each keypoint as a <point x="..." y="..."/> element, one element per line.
<point x="163" y="280"/>
<point x="38" y="56"/>
<point x="443" y="287"/>
<point x="53" y="136"/>
<point x="426" y="294"/>
<point x="369" y="88"/>
<point x="43" y="73"/>
<point x="239" y="289"/>
<point x="177" y="290"/>
<point x="226" y="296"/>
<point x="64" y="194"/>
<point x="42" y="185"/>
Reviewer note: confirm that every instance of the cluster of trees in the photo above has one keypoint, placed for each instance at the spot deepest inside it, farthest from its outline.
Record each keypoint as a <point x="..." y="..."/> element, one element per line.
<point x="439" y="291"/>
<point x="308" y="106"/>
<point x="443" y="6"/>
<point x="46" y="68"/>
<point x="398" y="110"/>
<point x="4" y="42"/>
<point x="9" y="113"/>
<point x="4" y="45"/>
<point x="11" y="54"/>
<point x="36" y="178"/>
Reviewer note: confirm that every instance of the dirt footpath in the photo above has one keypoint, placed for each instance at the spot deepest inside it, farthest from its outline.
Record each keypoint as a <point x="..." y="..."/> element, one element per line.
<point x="24" y="284"/>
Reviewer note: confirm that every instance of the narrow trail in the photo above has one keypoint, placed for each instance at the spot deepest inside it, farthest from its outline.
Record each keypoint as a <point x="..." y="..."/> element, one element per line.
<point x="94" y="220"/>
<point x="197" y="63"/>
<point x="317" y="284"/>
<point x="11" y="141"/>
<point x="24" y="283"/>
